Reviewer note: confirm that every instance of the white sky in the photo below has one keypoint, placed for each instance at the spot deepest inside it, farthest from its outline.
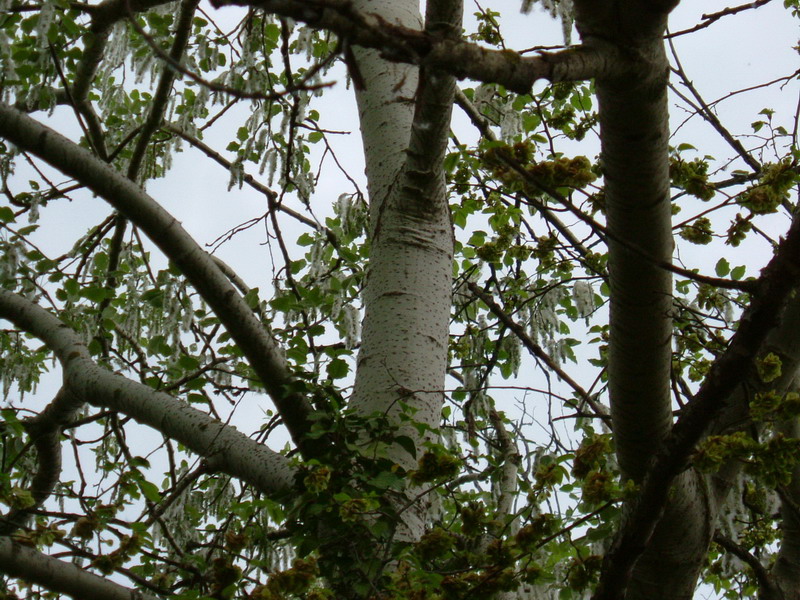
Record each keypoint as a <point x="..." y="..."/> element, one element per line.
<point x="734" y="53"/>
<point x="718" y="59"/>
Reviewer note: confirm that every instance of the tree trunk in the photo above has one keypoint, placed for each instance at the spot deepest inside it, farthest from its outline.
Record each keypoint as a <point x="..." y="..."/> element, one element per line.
<point x="786" y="571"/>
<point x="403" y="355"/>
<point x="635" y="160"/>
<point x="634" y="126"/>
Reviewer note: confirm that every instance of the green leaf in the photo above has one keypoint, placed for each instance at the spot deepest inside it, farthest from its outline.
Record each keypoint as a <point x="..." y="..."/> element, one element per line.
<point x="384" y="480"/>
<point x="6" y="214"/>
<point x="72" y="287"/>
<point x="738" y="272"/>
<point x="94" y="347"/>
<point x="407" y="444"/>
<point x="723" y="268"/>
<point x="189" y="363"/>
<point x="252" y="298"/>
<point x="158" y="345"/>
<point x="150" y="491"/>
<point x="283" y="303"/>
<point x="337" y="368"/>
<point x="305" y="239"/>
<point x="95" y="293"/>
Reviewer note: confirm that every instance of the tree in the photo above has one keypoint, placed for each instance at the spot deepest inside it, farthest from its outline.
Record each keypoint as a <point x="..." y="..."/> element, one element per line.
<point x="464" y="257"/>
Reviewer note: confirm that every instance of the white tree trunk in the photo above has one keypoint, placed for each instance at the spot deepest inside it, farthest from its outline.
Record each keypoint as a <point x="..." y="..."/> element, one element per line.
<point x="403" y="356"/>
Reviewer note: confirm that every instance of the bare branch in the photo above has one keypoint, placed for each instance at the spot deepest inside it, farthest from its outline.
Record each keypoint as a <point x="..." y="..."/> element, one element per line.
<point x="538" y="352"/>
<point x="261" y="350"/>
<point x="778" y="280"/>
<point x="704" y="111"/>
<point x="462" y="59"/>
<point x="711" y="18"/>
<point x="247" y="178"/>
<point x="56" y="575"/>
<point x="225" y="448"/>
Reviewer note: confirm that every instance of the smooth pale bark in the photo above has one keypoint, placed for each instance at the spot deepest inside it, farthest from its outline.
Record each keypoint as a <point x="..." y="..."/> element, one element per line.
<point x="385" y="105"/>
<point x="407" y="299"/>
<point x="634" y="134"/>
<point x="262" y="352"/>
<point x="62" y="577"/>
<point x="224" y="448"/>
<point x="669" y="568"/>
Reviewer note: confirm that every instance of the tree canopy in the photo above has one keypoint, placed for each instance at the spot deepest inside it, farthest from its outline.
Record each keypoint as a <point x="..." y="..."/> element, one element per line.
<point x="544" y="348"/>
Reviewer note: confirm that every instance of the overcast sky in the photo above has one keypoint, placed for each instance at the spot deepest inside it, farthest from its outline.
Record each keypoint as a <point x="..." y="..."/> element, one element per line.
<point x="735" y="53"/>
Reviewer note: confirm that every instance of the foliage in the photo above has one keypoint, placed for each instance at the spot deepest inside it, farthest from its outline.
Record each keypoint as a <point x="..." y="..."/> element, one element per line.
<point x="525" y="415"/>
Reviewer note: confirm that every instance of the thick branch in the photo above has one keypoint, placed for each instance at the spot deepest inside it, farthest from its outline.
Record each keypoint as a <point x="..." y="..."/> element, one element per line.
<point x="45" y="432"/>
<point x="58" y="576"/>
<point x="777" y="282"/>
<point x="263" y="354"/>
<point x="767" y="588"/>
<point x="635" y="137"/>
<point x="423" y="180"/>
<point x="225" y="448"/>
<point x="461" y="59"/>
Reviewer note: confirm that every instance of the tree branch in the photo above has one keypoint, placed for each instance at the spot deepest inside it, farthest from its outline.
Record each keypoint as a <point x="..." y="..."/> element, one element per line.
<point x="462" y="59"/>
<point x="45" y="432"/>
<point x="711" y="18"/>
<point x="604" y="233"/>
<point x="270" y="195"/>
<point x="423" y="175"/>
<point x="225" y="448"/>
<point x="104" y="16"/>
<point x="158" y="105"/>
<point x="261" y="351"/>
<point x="767" y="588"/>
<point x="778" y="280"/>
<point x="537" y="351"/>
<point x="56" y="575"/>
<point x="702" y="109"/>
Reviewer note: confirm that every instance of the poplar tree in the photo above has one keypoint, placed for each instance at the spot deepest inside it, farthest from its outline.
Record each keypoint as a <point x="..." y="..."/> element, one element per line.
<point x="366" y="422"/>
